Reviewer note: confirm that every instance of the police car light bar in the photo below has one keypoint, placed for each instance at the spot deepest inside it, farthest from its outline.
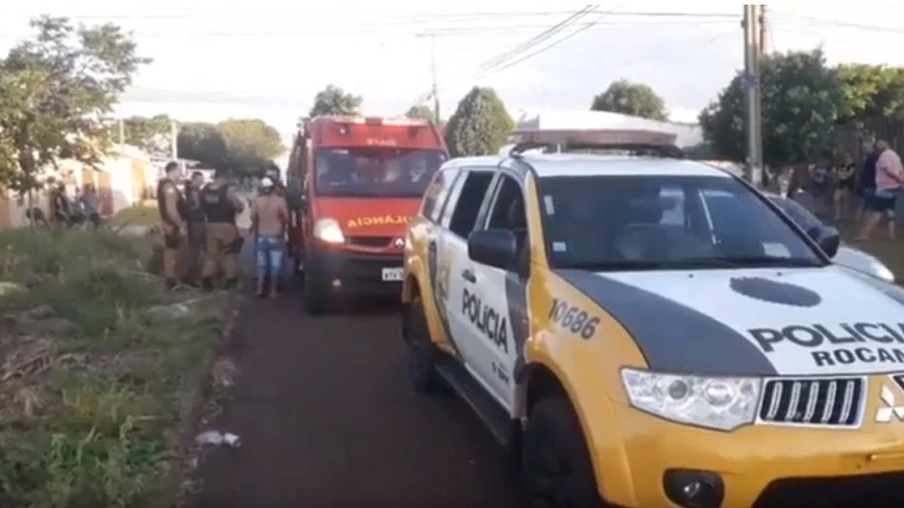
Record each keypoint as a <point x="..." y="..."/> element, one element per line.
<point x="562" y="140"/>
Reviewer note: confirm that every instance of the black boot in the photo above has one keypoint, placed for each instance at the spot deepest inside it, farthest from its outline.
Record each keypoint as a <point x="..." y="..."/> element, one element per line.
<point x="207" y="284"/>
<point x="230" y="284"/>
<point x="170" y="284"/>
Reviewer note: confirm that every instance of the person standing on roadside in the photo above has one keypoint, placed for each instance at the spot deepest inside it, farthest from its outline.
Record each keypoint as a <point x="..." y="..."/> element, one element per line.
<point x="196" y="226"/>
<point x="845" y="176"/>
<point x="171" y="205"/>
<point x="889" y="177"/>
<point x="91" y="204"/>
<point x="269" y="217"/>
<point x="221" y="205"/>
<point x="866" y="177"/>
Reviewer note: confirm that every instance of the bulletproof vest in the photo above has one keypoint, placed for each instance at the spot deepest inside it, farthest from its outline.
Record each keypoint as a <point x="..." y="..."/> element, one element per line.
<point x="161" y="201"/>
<point x="216" y="205"/>
<point x="193" y="204"/>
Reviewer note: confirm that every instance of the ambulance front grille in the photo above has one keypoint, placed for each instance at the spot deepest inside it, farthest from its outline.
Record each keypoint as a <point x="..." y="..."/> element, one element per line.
<point x="834" y="402"/>
<point x="370" y="241"/>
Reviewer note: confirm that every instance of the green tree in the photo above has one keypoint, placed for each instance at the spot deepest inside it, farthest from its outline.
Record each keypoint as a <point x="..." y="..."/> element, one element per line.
<point x="803" y="100"/>
<point x="151" y="134"/>
<point x="872" y="91"/>
<point x="629" y="98"/>
<point x="55" y="90"/>
<point x="204" y="143"/>
<point x="333" y="100"/>
<point x="421" y="112"/>
<point x="250" y="143"/>
<point x="480" y="124"/>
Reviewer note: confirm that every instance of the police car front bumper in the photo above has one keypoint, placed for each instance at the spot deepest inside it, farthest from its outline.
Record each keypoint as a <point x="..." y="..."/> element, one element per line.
<point x="759" y="466"/>
<point x="357" y="274"/>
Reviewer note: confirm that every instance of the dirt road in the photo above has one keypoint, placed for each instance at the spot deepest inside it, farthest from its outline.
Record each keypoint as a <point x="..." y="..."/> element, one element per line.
<point x="327" y="419"/>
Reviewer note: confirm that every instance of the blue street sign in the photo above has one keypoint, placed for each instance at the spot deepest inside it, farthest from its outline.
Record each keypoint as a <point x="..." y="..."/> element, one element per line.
<point x="748" y="81"/>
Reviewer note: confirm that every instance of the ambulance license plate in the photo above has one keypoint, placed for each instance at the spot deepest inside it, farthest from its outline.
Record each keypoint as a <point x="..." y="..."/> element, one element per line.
<point x="392" y="274"/>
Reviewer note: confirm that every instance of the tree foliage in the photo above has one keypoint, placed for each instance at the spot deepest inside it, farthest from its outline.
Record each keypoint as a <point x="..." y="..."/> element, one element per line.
<point x="203" y="142"/>
<point x="152" y="134"/>
<point x="250" y="143"/>
<point x="421" y="112"/>
<point x="629" y="98"/>
<point x="803" y="100"/>
<point x="872" y="91"/>
<point x="333" y="100"/>
<point x="241" y="145"/>
<point x="480" y="124"/>
<point x="55" y="91"/>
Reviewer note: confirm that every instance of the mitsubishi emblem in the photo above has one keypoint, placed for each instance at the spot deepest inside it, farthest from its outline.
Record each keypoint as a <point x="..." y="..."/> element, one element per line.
<point x="398" y="243"/>
<point x="890" y="409"/>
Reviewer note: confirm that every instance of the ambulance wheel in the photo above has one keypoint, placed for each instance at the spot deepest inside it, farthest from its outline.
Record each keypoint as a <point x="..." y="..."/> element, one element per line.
<point x="422" y="354"/>
<point x="555" y="464"/>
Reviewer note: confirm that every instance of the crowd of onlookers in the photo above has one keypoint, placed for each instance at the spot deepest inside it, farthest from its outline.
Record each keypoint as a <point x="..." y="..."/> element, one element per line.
<point x="865" y="193"/>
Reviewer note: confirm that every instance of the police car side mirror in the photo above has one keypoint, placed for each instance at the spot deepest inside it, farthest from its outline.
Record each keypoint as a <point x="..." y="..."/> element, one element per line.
<point x="827" y="238"/>
<point x="493" y="247"/>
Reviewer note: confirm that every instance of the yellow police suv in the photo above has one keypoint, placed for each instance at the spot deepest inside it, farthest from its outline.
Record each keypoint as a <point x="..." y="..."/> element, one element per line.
<point x="636" y="346"/>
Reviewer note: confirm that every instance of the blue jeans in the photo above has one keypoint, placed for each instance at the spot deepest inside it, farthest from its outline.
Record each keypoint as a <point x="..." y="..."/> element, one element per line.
<point x="270" y="252"/>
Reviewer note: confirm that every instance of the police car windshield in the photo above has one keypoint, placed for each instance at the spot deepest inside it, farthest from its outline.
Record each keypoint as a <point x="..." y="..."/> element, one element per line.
<point x="375" y="172"/>
<point x="665" y="222"/>
<point x="796" y="212"/>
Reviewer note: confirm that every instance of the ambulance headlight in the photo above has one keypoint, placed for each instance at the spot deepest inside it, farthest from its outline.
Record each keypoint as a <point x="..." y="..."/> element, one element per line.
<point x="721" y="403"/>
<point x="328" y="230"/>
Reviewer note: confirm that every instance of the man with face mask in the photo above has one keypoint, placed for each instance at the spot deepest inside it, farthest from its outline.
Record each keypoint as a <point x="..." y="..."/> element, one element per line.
<point x="269" y="217"/>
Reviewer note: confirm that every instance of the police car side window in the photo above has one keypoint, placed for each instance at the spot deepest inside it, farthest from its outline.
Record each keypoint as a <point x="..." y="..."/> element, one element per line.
<point x="463" y="206"/>
<point x="436" y="194"/>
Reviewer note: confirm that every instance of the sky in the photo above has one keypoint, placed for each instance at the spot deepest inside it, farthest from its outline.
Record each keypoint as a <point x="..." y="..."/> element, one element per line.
<point x="267" y="59"/>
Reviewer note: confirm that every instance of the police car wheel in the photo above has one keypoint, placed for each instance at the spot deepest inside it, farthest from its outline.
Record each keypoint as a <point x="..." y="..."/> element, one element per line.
<point x="421" y="352"/>
<point x="556" y="467"/>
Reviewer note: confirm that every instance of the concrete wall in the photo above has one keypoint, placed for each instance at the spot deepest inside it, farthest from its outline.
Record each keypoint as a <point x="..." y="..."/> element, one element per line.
<point x="122" y="181"/>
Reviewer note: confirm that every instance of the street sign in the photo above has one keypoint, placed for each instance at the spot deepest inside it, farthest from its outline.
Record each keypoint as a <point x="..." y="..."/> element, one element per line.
<point x="749" y="81"/>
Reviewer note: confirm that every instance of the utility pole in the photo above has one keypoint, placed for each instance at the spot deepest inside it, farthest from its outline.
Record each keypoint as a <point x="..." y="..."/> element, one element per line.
<point x="765" y="32"/>
<point x="751" y="83"/>
<point x="122" y="134"/>
<point x="174" y="139"/>
<point x="435" y="87"/>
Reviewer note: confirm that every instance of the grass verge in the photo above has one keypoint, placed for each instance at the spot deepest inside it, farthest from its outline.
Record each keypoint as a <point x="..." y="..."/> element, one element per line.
<point x="95" y="360"/>
<point x="140" y="214"/>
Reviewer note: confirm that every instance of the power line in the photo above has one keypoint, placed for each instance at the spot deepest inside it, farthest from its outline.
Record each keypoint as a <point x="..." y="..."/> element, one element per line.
<point x="488" y="31"/>
<point x="383" y="28"/>
<point x="447" y="15"/>
<point x="839" y="23"/>
<point x="524" y="46"/>
<point x="535" y="53"/>
<point x="533" y="41"/>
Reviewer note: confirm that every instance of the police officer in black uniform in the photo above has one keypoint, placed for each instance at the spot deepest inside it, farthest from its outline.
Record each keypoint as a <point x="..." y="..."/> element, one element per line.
<point x="220" y="205"/>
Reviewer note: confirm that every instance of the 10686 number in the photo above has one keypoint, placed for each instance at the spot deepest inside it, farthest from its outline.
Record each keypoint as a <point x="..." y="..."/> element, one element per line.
<point x="573" y="319"/>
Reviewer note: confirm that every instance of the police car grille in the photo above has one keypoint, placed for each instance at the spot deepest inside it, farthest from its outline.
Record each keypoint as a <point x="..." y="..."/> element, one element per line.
<point x="370" y="241"/>
<point x="834" y="402"/>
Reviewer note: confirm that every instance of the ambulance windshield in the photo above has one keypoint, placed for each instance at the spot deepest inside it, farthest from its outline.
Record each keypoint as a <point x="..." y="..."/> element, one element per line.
<point x="375" y="172"/>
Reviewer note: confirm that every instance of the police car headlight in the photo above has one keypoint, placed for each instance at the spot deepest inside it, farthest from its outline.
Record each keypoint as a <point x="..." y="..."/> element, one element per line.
<point x="721" y="403"/>
<point x="328" y="230"/>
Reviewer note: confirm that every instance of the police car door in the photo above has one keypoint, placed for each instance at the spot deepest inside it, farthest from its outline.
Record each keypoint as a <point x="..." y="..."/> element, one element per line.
<point x="468" y="202"/>
<point x="500" y="298"/>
